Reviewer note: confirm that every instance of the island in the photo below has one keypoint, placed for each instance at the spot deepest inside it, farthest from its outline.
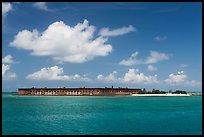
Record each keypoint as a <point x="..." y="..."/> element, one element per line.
<point x="161" y="93"/>
<point x="107" y="91"/>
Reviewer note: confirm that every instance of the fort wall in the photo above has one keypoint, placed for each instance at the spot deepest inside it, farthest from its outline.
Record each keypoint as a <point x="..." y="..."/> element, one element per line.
<point x="77" y="91"/>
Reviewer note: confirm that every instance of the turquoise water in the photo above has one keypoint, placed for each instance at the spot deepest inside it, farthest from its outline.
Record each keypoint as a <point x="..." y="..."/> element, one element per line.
<point x="105" y="115"/>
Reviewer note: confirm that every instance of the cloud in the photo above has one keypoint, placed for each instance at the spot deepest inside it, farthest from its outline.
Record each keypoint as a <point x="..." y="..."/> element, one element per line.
<point x="194" y="83"/>
<point x="6" y="74"/>
<point x="6" y="7"/>
<point x="110" y="78"/>
<point x="8" y="59"/>
<point x="64" y="43"/>
<point x="131" y="77"/>
<point x="131" y="61"/>
<point x="120" y="31"/>
<point x="5" y="68"/>
<point x="151" y="68"/>
<point x="134" y="77"/>
<point x="55" y="73"/>
<point x="176" y="78"/>
<point x="41" y="5"/>
<point x="184" y="65"/>
<point x="160" y="38"/>
<point x="154" y="57"/>
<point x="180" y="79"/>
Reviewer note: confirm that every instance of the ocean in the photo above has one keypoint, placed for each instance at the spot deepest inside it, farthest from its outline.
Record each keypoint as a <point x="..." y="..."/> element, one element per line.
<point x="101" y="115"/>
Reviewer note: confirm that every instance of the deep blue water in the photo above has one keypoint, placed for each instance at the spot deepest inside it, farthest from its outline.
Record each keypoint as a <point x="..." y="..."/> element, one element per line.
<point x="107" y="115"/>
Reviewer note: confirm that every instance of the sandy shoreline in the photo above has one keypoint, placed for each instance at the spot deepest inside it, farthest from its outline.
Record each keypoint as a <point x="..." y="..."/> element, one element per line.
<point x="161" y="95"/>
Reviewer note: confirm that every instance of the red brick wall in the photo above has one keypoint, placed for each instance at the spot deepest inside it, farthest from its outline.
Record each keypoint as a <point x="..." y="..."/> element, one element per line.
<point x="21" y="92"/>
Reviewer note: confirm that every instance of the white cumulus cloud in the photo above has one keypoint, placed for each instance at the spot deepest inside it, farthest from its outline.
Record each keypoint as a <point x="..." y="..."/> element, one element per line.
<point x="131" y="77"/>
<point x="134" y="77"/>
<point x="41" y="5"/>
<point x="180" y="79"/>
<point x="110" y="78"/>
<point x="116" y="32"/>
<point x="154" y="57"/>
<point x="176" y="78"/>
<point x="131" y="61"/>
<point x="6" y="74"/>
<point x="63" y="43"/>
<point x="5" y="68"/>
<point x="8" y="59"/>
<point x="6" y="7"/>
<point x="55" y="73"/>
<point x="151" y="68"/>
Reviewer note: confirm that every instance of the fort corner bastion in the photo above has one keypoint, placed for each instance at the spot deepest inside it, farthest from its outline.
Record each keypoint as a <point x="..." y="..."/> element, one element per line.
<point x="77" y="91"/>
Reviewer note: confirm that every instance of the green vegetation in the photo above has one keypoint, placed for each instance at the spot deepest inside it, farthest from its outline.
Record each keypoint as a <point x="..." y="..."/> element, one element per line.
<point x="179" y="92"/>
<point x="144" y="91"/>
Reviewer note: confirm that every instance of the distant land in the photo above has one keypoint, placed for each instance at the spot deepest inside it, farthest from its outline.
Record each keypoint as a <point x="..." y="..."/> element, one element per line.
<point x="84" y="91"/>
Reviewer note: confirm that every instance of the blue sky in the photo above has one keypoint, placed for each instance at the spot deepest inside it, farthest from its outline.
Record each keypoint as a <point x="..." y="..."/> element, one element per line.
<point x="137" y="45"/>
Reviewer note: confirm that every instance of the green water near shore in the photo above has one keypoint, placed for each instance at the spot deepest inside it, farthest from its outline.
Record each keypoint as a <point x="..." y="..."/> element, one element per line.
<point x="104" y="115"/>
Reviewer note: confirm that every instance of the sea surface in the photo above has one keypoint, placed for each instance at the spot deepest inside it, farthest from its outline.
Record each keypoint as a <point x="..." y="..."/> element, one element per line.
<point x="101" y="115"/>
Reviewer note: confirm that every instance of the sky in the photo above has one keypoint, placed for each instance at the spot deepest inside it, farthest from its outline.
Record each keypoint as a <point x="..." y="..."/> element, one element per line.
<point x="102" y="44"/>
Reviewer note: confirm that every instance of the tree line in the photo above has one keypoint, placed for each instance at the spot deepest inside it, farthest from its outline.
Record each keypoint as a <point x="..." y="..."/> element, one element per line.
<point x="156" y="91"/>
